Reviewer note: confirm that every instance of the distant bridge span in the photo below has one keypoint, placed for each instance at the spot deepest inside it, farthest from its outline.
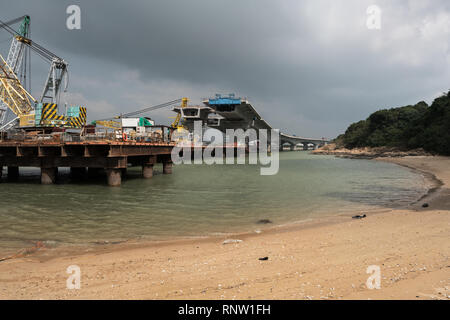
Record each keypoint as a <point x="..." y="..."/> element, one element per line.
<point x="235" y="113"/>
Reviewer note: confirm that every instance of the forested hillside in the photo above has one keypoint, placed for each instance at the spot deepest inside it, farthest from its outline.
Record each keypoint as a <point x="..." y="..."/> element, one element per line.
<point x="409" y="127"/>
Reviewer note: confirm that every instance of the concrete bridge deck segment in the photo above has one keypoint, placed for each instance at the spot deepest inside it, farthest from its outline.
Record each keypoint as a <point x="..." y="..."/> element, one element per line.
<point x="235" y="113"/>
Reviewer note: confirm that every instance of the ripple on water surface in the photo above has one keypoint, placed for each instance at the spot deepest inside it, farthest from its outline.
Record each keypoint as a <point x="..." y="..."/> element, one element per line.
<point x="197" y="200"/>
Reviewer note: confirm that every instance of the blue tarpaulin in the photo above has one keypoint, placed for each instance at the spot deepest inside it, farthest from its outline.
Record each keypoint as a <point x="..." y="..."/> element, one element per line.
<point x="224" y="101"/>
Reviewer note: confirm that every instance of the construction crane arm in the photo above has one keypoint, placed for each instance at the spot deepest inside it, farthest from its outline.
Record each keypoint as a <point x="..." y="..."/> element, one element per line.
<point x="58" y="66"/>
<point x="12" y="93"/>
<point x="108" y="124"/>
<point x="15" y="56"/>
<point x="7" y="24"/>
<point x="159" y="106"/>
<point x="176" y="122"/>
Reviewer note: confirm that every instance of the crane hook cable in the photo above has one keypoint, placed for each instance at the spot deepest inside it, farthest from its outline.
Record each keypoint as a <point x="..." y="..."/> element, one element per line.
<point x="129" y="114"/>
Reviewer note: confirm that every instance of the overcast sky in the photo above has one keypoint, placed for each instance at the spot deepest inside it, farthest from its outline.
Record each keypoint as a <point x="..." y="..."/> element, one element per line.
<point x="309" y="67"/>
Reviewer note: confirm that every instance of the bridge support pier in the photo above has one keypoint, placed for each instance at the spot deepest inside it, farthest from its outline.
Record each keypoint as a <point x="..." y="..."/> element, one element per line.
<point x="114" y="177"/>
<point x="147" y="171"/>
<point x="167" y="167"/>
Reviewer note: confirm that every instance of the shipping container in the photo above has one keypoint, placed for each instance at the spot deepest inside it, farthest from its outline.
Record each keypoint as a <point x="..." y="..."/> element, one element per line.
<point x="130" y="122"/>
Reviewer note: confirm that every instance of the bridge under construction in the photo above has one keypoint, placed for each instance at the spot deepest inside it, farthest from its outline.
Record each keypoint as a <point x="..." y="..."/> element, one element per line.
<point x="35" y="133"/>
<point x="229" y="112"/>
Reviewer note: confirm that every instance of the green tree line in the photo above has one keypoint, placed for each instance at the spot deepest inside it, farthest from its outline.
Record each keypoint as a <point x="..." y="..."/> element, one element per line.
<point x="408" y="127"/>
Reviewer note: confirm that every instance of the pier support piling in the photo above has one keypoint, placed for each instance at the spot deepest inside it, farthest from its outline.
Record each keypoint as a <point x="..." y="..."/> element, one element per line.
<point x="114" y="177"/>
<point x="147" y="171"/>
<point x="167" y="167"/>
<point x="48" y="175"/>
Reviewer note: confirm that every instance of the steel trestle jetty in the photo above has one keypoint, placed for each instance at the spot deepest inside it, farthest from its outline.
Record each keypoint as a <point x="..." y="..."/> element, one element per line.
<point x="112" y="156"/>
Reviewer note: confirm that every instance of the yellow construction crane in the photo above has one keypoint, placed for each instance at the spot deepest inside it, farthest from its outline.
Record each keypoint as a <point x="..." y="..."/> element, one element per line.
<point x="108" y="124"/>
<point x="12" y="93"/>
<point x="176" y="123"/>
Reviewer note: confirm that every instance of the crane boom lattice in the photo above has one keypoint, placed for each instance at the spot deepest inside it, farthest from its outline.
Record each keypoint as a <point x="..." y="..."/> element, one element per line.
<point x="12" y="93"/>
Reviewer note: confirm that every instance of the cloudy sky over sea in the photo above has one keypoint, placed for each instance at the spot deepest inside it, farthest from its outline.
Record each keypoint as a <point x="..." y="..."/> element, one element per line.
<point x="309" y="67"/>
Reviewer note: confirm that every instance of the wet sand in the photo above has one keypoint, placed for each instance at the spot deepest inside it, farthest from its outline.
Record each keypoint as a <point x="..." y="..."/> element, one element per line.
<point x="323" y="259"/>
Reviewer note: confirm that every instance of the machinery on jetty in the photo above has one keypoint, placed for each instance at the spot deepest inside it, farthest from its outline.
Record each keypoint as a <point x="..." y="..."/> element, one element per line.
<point x="21" y="113"/>
<point x="28" y="112"/>
<point x="33" y="133"/>
<point x="134" y="126"/>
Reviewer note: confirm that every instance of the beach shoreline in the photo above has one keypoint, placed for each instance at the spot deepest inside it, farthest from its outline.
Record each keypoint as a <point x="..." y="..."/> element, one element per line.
<point x="236" y="268"/>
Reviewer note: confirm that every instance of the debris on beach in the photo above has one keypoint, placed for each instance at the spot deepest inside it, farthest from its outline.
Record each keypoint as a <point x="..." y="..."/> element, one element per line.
<point x="425" y="205"/>
<point x="264" y="221"/>
<point x="263" y="259"/>
<point x="27" y="251"/>
<point x="359" y="217"/>
<point x="229" y="241"/>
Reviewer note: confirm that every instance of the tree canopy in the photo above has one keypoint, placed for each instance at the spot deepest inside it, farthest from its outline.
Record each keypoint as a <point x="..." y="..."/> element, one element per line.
<point x="408" y="127"/>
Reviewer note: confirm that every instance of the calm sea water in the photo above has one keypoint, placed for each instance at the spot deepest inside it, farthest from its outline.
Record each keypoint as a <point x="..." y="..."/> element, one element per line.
<point x="196" y="200"/>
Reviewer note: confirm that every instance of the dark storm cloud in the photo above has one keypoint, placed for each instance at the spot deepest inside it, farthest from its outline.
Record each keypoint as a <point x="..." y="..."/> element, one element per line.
<point x="310" y="67"/>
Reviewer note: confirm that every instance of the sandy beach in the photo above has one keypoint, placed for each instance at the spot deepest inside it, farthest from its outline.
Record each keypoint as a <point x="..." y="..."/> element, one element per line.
<point x="324" y="259"/>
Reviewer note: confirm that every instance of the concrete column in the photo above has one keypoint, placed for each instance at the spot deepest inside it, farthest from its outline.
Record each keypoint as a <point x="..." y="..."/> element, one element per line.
<point x="292" y="147"/>
<point x="48" y="175"/>
<point x="167" y="167"/>
<point x="114" y="177"/>
<point x="305" y="146"/>
<point x="147" y="171"/>
<point x="13" y="173"/>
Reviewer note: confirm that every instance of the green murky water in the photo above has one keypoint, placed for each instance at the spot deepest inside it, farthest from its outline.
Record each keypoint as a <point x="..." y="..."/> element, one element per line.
<point x="196" y="200"/>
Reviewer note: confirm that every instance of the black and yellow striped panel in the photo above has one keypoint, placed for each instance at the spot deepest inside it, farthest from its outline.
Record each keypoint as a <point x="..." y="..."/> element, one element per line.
<point x="80" y="121"/>
<point x="75" y="122"/>
<point x="49" y="112"/>
<point x="83" y="115"/>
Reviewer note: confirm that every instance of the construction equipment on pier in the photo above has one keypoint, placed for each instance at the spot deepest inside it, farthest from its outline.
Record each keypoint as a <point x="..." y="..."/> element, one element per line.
<point x="176" y="124"/>
<point x="133" y="125"/>
<point x="28" y="111"/>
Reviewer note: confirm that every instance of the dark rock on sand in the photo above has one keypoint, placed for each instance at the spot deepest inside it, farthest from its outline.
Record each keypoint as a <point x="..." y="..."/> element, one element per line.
<point x="359" y="217"/>
<point x="264" y="221"/>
